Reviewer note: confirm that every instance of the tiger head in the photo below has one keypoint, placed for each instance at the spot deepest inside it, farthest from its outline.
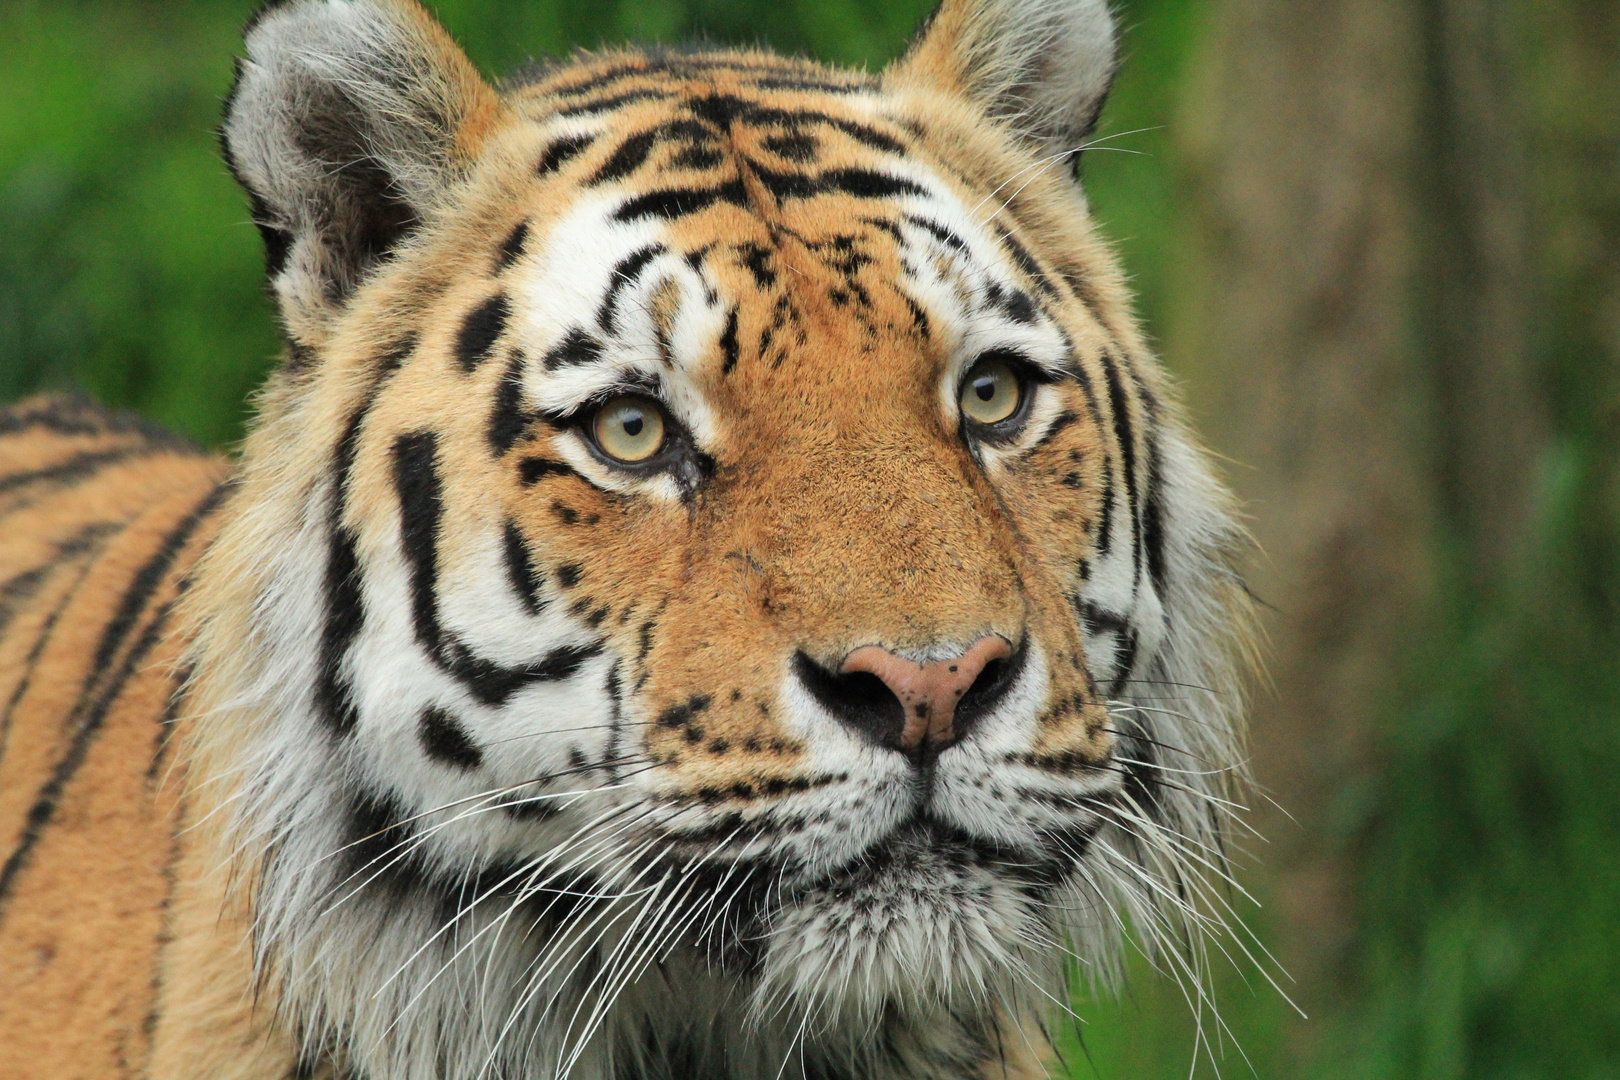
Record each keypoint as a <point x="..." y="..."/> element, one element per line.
<point x="718" y="578"/>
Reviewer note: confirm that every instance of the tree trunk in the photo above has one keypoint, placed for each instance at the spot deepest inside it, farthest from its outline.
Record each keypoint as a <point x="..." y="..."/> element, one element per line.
<point x="1352" y="327"/>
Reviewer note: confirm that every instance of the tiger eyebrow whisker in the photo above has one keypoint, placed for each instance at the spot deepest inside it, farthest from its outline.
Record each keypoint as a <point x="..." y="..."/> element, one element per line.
<point x="1093" y="144"/>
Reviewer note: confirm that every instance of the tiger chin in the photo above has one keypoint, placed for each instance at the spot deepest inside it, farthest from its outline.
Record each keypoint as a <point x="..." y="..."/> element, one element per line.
<point x="717" y="588"/>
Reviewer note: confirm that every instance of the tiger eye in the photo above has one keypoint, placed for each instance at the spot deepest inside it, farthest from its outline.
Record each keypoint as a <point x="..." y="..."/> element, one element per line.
<point x="991" y="392"/>
<point x="629" y="429"/>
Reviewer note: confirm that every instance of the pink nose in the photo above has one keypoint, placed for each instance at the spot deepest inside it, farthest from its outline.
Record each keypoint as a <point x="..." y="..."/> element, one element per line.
<point x="928" y="692"/>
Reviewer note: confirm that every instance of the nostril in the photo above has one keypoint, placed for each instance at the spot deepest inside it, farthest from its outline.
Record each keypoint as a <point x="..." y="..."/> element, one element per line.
<point x="858" y="698"/>
<point x="988" y="690"/>
<point x="987" y="678"/>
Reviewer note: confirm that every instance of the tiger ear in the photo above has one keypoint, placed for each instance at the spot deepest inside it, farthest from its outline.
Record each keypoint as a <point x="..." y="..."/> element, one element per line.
<point x="349" y="120"/>
<point x="1042" y="66"/>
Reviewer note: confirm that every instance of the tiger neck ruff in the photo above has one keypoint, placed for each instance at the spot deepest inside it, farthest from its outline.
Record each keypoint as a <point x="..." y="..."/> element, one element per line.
<point x="718" y="588"/>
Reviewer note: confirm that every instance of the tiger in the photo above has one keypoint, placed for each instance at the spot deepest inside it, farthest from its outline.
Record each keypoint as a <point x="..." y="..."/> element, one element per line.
<point x="717" y="588"/>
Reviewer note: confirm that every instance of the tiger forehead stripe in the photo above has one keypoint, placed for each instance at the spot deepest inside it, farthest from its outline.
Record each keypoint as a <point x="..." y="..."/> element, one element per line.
<point x="758" y="75"/>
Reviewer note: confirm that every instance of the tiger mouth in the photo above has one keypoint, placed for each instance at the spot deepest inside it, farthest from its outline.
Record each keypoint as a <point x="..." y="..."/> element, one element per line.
<point x="924" y="864"/>
<point x="924" y="844"/>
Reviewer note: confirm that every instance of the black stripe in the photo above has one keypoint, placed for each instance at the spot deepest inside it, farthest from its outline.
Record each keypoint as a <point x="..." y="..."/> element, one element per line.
<point x="919" y="317"/>
<point x="533" y="469"/>
<point x="76" y="468"/>
<point x="601" y="80"/>
<point x="871" y="137"/>
<point x="1016" y="304"/>
<point x="73" y="415"/>
<point x="728" y="343"/>
<point x="35" y="651"/>
<point x="1125" y="435"/>
<point x="166" y="725"/>
<point x="939" y="232"/>
<point x="1098" y="620"/>
<point x="19" y="589"/>
<point x="626" y="274"/>
<point x="1105" y="525"/>
<point x="1061" y="423"/>
<point x="672" y="203"/>
<point x="561" y="151"/>
<point x="796" y="146"/>
<point x="805" y="83"/>
<point x="1153" y="535"/>
<point x="615" y="695"/>
<point x="444" y="739"/>
<point x="344" y="612"/>
<point x="507" y="419"/>
<point x="479" y="331"/>
<point x="768" y="75"/>
<point x="577" y="347"/>
<point x="512" y="247"/>
<point x="421" y="508"/>
<point x="860" y="183"/>
<point x="1142" y="774"/>
<point x="752" y="113"/>
<point x="1026" y="262"/>
<point x="171" y="879"/>
<point x="1124" y="662"/>
<point x="1078" y="372"/>
<point x="630" y="156"/>
<point x="521" y="572"/>
<point x="140" y="591"/>
<point x="89" y="717"/>
<point x="618" y="101"/>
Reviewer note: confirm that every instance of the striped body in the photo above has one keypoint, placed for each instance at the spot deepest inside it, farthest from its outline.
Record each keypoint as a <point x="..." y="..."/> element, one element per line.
<point x="650" y="432"/>
<point x="101" y="520"/>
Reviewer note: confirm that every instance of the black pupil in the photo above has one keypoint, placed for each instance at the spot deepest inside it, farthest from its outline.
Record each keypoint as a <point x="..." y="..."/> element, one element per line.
<point x="985" y="387"/>
<point x="633" y="423"/>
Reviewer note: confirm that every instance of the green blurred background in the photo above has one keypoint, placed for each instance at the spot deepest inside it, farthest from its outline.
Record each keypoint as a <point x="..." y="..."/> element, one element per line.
<point x="1379" y="242"/>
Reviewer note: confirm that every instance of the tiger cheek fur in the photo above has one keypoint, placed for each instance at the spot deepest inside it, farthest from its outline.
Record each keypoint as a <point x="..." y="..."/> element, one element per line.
<point x="718" y="583"/>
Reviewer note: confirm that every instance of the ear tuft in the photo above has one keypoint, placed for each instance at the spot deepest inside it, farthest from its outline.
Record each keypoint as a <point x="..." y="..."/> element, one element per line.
<point x="1042" y="66"/>
<point x="349" y="120"/>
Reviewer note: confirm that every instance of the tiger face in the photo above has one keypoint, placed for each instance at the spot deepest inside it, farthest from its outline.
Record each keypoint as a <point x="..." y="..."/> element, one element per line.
<point x="707" y="584"/>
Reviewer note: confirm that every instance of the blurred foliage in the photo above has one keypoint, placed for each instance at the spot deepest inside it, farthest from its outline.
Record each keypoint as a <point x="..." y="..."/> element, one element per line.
<point x="1489" y="850"/>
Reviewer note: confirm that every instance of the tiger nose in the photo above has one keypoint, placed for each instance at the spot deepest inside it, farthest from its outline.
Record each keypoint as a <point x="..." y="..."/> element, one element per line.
<point x="928" y="693"/>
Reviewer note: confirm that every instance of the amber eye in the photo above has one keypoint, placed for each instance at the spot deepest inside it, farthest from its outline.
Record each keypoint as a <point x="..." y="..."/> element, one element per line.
<point x="629" y="429"/>
<point x="991" y="393"/>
